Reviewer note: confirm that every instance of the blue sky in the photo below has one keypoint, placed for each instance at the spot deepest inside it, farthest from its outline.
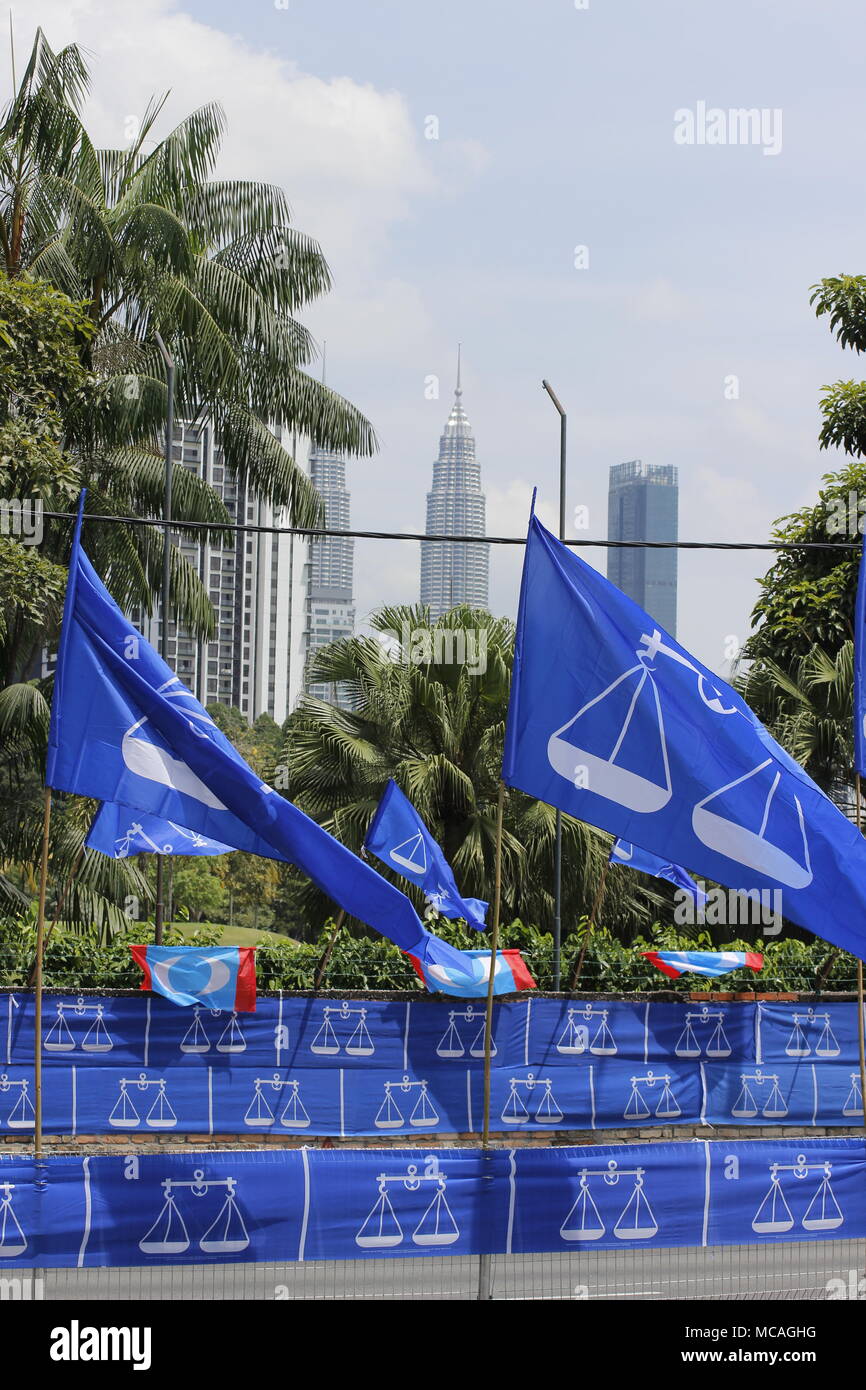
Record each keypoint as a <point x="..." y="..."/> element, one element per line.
<point x="556" y="129"/>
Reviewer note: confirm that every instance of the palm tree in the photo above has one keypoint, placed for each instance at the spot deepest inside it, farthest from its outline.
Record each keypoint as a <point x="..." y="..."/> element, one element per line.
<point x="808" y="710"/>
<point x="148" y="241"/>
<point x="153" y="242"/>
<point x="438" y="730"/>
<point x="144" y="241"/>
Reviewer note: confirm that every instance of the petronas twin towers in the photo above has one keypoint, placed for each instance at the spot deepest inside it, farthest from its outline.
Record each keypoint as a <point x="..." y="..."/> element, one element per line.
<point x="455" y="572"/>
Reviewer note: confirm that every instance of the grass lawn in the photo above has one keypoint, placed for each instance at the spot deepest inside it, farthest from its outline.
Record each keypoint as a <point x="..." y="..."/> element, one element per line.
<point x="236" y="936"/>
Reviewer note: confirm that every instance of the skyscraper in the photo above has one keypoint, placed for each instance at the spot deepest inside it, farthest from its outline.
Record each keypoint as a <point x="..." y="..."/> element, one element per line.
<point x="330" y="605"/>
<point x="642" y="505"/>
<point x="453" y="573"/>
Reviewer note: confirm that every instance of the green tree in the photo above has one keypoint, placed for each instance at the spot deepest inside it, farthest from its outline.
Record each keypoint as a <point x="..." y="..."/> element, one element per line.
<point x="197" y="889"/>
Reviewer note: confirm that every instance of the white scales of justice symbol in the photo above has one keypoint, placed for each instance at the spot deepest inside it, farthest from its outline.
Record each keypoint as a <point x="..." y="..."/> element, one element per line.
<point x="605" y="776"/>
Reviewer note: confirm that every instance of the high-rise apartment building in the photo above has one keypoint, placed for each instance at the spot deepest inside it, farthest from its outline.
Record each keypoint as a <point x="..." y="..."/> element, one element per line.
<point x="642" y="505"/>
<point x="255" y="659"/>
<point x="329" y="604"/>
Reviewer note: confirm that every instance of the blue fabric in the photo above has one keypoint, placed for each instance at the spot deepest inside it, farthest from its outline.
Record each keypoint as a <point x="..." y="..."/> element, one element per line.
<point x="635" y="858"/>
<point x="859" y="671"/>
<point x="125" y="729"/>
<point x="612" y="721"/>
<point x="314" y="1066"/>
<point x="474" y="983"/>
<point x="118" y="832"/>
<point x="399" y="837"/>
<point x="283" y="1205"/>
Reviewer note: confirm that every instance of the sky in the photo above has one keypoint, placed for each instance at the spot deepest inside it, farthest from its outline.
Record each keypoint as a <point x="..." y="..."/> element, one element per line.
<point x="529" y="179"/>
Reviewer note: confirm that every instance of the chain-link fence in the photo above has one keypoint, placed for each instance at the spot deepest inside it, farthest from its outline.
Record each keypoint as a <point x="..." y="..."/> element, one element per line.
<point x="816" y="1270"/>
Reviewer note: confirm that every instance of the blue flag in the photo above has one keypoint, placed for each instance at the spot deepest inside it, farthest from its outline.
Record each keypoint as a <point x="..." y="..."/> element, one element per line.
<point x="860" y="669"/>
<point x="614" y="722"/>
<point x="119" y="832"/>
<point x="635" y="858"/>
<point x="124" y="729"/>
<point x="399" y="837"/>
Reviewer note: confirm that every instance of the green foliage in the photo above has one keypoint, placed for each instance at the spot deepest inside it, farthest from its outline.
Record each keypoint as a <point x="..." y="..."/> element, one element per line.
<point x="807" y="596"/>
<point x="359" y="964"/>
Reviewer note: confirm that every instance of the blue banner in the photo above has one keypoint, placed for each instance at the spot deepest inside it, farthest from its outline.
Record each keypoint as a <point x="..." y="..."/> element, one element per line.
<point x="615" y="723"/>
<point x="345" y="1067"/>
<point x="125" y="730"/>
<point x="284" y="1205"/>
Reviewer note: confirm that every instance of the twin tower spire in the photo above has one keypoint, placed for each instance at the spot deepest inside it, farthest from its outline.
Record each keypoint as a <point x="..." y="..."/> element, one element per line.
<point x="455" y="572"/>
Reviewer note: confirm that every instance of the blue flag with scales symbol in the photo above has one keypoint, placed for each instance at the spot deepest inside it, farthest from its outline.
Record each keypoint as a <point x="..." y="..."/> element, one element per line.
<point x="125" y="730"/>
<point x="399" y="837"/>
<point x="611" y="720"/>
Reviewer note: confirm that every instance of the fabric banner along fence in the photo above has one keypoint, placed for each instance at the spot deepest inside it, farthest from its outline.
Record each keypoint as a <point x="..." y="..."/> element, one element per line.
<point x="296" y="1205"/>
<point x="319" y="1066"/>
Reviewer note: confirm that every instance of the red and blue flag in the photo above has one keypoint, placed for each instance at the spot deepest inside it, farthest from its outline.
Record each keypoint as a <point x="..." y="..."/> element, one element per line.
<point x="676" y="963"/>
<point x="220" y="977"/>
<point x="472" y="983"/>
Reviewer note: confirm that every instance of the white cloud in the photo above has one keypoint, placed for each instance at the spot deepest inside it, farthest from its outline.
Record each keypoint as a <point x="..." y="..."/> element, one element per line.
<point x="347" y="154"/>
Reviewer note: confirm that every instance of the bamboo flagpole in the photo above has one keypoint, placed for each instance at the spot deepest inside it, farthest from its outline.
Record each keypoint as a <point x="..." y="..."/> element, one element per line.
<point x="61" y="903"/>
<point x="40" y="946"/>
<point x="494" y="945"/>
<point x="485" y="1265"/>
<point x="594" y="911"/>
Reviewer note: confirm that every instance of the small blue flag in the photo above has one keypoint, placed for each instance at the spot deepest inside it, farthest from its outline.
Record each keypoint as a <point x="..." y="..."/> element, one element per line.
<point x="860" y="669"/>
<point x="635" y="858"/>
<point x="119" y="832"/>
<point x="399" y="837"/>
<point x="614" y="722"/>
<point x="124" y="729"/>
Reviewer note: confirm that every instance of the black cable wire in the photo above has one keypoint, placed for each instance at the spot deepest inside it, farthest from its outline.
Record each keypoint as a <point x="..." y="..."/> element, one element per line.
<point x="325" y="533"/>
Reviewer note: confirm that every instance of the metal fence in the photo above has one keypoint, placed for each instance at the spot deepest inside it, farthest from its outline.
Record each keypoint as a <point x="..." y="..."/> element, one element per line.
<point x="812" y="1271"/>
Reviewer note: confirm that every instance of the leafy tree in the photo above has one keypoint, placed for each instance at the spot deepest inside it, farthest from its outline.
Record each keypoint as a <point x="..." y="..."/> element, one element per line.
<point x="807" y="595"/>
<point x="197" y="889"/>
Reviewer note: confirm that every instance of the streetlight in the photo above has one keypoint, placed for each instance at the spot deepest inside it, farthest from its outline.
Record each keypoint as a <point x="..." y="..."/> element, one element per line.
<point x="168" y="362"/>
<point x="557" y="852"/>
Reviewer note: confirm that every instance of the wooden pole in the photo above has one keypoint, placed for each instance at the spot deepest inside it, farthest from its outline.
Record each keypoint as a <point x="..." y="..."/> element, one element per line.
<point x="485" y="1262"/>
<point x="326" y="956"/>
<point x="494" y="944"/>
<point x="860" y="1037"/>
<point x="67" y="888"/>
<point x="40" y="946"/>
<point x="594" y="911"/>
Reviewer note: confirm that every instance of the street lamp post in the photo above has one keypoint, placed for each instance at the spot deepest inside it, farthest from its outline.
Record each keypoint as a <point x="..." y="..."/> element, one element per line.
<point x="557" y="851"/>
<point x="168" y="363"/>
